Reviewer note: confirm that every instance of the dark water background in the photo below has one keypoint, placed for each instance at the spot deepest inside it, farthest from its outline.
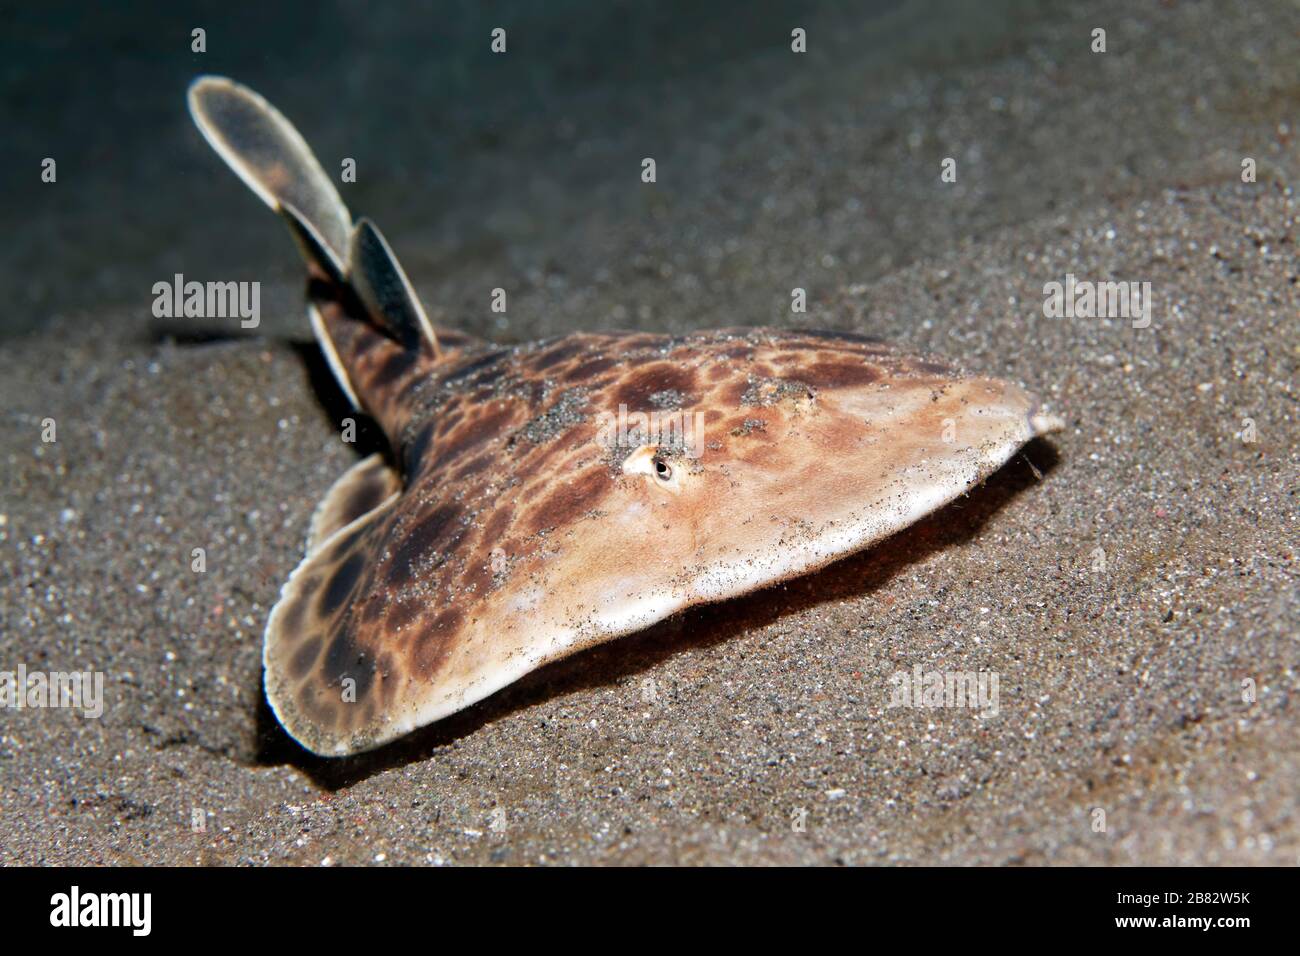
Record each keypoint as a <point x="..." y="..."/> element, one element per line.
<point x="444" y="131"/>
<point x="522" y="170"/>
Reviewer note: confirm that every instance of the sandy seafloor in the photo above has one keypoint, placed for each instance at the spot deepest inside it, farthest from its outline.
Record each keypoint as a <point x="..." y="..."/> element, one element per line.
<point x="1119" y="689"/>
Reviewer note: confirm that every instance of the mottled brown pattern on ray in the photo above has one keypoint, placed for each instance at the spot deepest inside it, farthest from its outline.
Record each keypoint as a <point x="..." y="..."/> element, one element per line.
<point x="317" y="644"/>
<point x="503" y="467"/>
<point x="505" y="471"/>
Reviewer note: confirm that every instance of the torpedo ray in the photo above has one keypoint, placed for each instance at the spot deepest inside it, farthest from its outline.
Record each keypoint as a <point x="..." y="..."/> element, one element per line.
<point x="544" y="498"/>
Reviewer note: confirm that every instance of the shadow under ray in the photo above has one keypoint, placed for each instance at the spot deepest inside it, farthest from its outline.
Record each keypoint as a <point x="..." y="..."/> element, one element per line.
<point x="329" y="394"/>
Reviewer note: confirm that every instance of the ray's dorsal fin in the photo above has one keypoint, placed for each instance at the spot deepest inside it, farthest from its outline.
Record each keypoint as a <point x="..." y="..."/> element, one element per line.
<point x="271" y="157"/>
<point x="378" y="279"/>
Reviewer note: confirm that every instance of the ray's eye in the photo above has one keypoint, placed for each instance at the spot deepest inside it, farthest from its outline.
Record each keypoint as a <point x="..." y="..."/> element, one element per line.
<point x="655" y="467"/>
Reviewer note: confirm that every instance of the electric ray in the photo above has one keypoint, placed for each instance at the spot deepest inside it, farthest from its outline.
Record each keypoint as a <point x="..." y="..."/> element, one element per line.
<point x="543" y="498"/>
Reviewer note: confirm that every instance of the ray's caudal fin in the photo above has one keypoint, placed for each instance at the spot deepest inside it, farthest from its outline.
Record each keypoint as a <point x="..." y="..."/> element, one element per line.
<point x="356" y="277"/>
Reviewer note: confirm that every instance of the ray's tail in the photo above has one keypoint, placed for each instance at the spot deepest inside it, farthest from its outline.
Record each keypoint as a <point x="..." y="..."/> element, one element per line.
<point x="363" y="310"/>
